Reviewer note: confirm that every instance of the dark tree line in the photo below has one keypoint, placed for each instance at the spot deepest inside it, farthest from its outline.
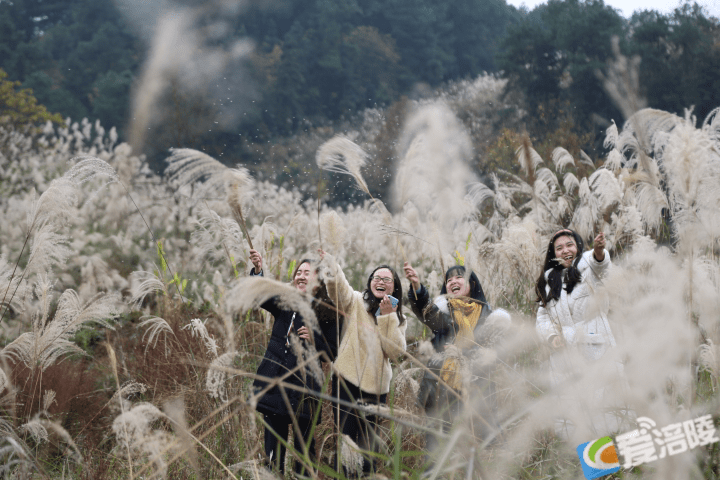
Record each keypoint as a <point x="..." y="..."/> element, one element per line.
<point x="322" y="60"/>
<point x="553" y="54"/>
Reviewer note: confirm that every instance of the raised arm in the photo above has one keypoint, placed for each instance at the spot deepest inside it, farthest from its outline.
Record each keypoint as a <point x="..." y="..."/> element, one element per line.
<point x="339" y="290"/>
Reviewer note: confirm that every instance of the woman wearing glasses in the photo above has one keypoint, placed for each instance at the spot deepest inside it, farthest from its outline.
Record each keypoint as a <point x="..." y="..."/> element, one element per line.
<point x="373" y="334"/>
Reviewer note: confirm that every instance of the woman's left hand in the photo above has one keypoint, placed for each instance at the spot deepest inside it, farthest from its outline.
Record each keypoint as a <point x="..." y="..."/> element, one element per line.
<point x="386" y="306"/>
<point x="303" y="332"/>
<point x="599" y="247"/>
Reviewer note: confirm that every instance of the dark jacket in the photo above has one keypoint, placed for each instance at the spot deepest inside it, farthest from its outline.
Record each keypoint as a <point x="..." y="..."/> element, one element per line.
<point x="279" y="359"/>
<point x="441" y="322"/>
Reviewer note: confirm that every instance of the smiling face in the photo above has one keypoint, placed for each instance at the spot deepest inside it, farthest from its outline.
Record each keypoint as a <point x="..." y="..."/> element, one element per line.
<point x="457" y="286"/>
<point x="565" y="250"/>
<point x="382" y="283"/>
<point x="305" y="274"/>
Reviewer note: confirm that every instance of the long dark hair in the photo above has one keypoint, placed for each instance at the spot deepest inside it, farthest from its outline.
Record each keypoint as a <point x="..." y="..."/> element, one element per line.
<point x="476" y="291"/>
<point x="555" y="279"/>
<point x="373" y="303"/>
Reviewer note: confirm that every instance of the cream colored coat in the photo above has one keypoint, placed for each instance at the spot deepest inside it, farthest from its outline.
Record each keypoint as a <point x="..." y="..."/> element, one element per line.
<point x="366" y="347"/>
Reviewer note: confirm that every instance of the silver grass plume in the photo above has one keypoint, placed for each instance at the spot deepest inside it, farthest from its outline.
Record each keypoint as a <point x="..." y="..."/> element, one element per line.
<point x="217" y="375"/>
<point x="143" y="283"/>
<point x="351" y="458"/>
<point x="562" y="159"/>
<point x="434" y="151"/>
<point x="50" y="338"/>
<point x="48" y="250"/>
<point x="175" y="412"/>
<point x="15" y="459"/>
<point x="238" y="183"/>
<point x="41" y="428"/>
<point x="58" y="201"/>
<point x="128" y="389"/>
<point x="4" y="381"/>
<point x="692" y="166"/>
<point x="586" y="212"/>
<point x="133" y="430"/>
<point x="10" y="283"/>
<point x="187" y="166"/>
<point x="35" y="430"/>
<point x="334" y="233"/>
<point x="217" y="237"/>
<point x="342" y="155"/>
<point x="622" y="80"/>
<point x="156" y="327"/>
<point x="528" y="159"/>
<point x="711" y="125"/>
<point x="198" y="330"/>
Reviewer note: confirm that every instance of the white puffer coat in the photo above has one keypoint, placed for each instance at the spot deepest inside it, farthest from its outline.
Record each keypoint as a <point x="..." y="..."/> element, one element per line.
<point x="591" y="336"/>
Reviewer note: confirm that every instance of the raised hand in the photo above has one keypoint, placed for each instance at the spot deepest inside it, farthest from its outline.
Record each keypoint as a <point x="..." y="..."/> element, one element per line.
<point x="412" y="275"/>
<point x="599" y="247"/>
<point x="256" y="260"/>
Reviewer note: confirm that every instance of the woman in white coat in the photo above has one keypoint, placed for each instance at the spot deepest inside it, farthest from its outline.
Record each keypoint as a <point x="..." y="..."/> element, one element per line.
<point x="564" y="320"/>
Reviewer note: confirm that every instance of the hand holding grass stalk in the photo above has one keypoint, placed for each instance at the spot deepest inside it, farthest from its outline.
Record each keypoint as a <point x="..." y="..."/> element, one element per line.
<point x="256" y="260"/>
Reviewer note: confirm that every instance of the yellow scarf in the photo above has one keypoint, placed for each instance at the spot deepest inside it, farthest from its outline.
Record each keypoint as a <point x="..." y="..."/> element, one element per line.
<point x="466" y="315"/>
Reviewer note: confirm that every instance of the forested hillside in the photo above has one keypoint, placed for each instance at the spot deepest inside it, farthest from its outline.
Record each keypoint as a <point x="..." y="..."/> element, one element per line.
<point x="313" y="67"/>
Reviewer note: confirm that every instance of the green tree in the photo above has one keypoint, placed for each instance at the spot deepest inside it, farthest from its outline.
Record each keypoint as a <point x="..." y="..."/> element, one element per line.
<point x="680" y="58"/>
<point x="67" y="52"/>
<point x="554" y="52"/>
<point x="20" y="107"/>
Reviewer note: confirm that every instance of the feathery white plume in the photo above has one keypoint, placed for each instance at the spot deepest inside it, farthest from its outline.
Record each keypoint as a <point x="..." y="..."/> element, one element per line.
<point x="341" y="155"/>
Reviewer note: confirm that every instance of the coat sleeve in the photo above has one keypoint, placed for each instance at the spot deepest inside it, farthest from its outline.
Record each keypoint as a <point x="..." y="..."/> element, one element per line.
<point x="418" y="300"/>
<point x="546" y="329"/>
<point x="592" y="270"/>
<point x="272" y="307"/>
<point x="392" y="335"/>
<point x="326" y="338"/>
<point x="339" y="290"/>
<point x="437" y="320"/>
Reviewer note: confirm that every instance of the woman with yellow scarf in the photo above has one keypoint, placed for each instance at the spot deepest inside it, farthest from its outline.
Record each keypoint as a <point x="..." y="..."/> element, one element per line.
<point x="462" y="322"/>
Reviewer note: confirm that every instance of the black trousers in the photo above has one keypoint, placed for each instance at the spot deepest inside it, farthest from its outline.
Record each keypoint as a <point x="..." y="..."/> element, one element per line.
<point x="274" y="449"/>
<point x="359" y="426"/>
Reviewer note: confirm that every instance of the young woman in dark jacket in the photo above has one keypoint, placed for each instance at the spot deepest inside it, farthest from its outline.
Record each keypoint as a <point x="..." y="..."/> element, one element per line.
<point x="459" y="317"/>
<point x="280" y="358"/>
